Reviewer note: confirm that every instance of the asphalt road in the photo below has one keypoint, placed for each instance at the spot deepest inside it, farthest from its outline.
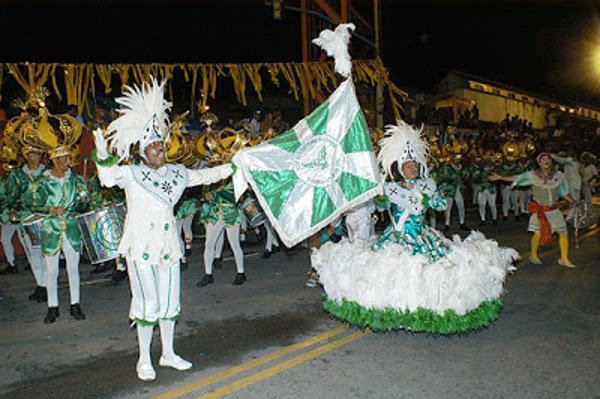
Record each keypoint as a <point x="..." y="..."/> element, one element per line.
<point x="270" y="338"/>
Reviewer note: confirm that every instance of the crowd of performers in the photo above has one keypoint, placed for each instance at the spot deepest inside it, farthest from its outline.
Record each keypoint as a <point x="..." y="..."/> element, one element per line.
<point x="409" y="276"/>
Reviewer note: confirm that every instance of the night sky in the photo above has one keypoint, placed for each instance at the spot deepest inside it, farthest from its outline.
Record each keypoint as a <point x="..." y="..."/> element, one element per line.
<point x="541" y="46"/>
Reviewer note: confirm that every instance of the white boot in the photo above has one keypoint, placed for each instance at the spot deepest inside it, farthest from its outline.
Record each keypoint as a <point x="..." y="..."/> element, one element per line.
<point x="144" y="368"/>
<point x="169" y="358"/>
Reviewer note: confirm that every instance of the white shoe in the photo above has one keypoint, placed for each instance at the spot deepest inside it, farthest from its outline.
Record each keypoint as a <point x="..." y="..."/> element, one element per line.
<point x="177" y="362"/>
<point x="566" y="263"/>
<point x="145" y="372"/>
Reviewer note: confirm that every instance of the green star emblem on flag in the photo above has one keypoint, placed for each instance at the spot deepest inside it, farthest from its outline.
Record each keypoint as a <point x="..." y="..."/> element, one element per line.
<point x="308" y="176"/>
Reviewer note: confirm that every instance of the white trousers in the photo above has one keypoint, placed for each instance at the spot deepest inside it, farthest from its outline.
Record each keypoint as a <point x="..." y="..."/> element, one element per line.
<point x="460" y="205"/>
<point x="155" y="291"/>
<point x="509" y="199"/>
<point x="271" y="236"/>
<point x="8" y="231"/>
<point x="487" y="198"/>
<point x="213" y="230"/>
<point x="72" y="259"/>
<point x="36" y="260"/>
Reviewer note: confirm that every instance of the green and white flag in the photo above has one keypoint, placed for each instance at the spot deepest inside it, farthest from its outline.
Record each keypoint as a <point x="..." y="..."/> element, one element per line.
<point x="308" y="176"/>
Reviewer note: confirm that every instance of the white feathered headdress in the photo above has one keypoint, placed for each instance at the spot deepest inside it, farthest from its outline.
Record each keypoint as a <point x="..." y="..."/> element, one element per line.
<point x="335" y="43"/>
<point x="403" y="143"/>
<point x="143" y="119"/>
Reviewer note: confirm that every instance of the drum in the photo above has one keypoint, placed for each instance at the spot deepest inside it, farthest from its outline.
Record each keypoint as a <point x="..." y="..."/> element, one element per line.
<point x="253" y="212"/>
<point x="101" y="232"/>
<point x="33" y="228"/>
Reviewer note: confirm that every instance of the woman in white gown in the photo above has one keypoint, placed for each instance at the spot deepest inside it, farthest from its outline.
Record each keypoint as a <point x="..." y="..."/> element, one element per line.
<point x="413" y="277"/>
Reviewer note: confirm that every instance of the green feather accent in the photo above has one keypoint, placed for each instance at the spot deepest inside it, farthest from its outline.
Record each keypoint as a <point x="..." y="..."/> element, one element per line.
<point x="110" y="161"/>
<point x="174" y="318"/>
<point x="144" y="323"/>
<point x="381" y="202"/>
<point x="422" y="320"/>
<point x="234" y="167"/>
<point x="425" y="201"/>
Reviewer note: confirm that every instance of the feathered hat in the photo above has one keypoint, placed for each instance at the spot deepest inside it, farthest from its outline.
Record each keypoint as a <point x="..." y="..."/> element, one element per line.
<point x="14" y="129"/>
<point x="54" y="134"/>
<point x="143" y="119"/>
<point x="225" y="143"/>
<point x="181" y="148"/>
<point x="403" y="143"/>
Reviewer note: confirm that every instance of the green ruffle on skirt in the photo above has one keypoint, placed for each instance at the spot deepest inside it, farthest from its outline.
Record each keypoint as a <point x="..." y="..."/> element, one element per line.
<point x="422" y="320"/>
<point x="146" y="323"/>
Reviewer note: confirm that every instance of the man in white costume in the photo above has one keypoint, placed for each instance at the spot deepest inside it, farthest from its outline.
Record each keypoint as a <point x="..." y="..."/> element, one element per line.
<point x="150" y="241"/>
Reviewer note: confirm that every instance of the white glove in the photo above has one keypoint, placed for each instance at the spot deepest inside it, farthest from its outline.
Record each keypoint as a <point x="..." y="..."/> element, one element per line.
<point x="101" y="145"/>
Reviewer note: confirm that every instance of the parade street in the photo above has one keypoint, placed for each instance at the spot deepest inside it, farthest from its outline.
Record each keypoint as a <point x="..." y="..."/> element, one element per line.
<point x="270" y="338"/>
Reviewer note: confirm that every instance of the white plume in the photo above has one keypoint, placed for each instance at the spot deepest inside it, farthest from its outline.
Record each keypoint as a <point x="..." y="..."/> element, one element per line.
<point x="401" y="143"/>
<point x="138" y="106"/>
<point x="335" y="43"/>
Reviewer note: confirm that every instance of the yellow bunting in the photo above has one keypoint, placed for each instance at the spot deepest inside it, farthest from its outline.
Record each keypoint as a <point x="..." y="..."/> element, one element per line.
<point x="105" y="74"/>
<point x="253" y="71"/>
<point x="312" y="80"/>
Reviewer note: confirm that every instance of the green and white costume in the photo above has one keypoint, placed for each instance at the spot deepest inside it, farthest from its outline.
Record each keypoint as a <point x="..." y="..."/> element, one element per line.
<point x="150" y="240"/>
<point x="59" y="232"/>
<point x="218" y="214"/>
<point x="16" y="186"/>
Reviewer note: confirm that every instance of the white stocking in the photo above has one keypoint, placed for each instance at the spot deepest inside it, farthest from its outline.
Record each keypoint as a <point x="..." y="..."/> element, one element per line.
<point x="233" y="236"/>
<point x="271" y="237"/>
<point x="38" y="267"/>
<point x="187" y="231"/>
<point x="144" y="334"/>
<point x="8" y="230"/>
<point x="213" y="231"/>
<point x="167" y="332"/>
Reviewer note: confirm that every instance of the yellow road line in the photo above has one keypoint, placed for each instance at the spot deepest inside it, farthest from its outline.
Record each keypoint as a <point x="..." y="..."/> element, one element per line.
<point x="234" y="386"/>
<point x="193" y="386"/>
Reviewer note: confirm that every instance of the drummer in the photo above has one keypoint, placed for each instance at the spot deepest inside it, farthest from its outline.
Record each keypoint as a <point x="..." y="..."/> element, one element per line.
<point x="9" y="228"/>
<point x="60" y="194"/>
<point x="17" y="184"/>
<point x="220" y="212"/>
